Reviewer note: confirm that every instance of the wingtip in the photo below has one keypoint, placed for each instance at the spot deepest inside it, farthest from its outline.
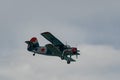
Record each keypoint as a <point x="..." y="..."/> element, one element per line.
<point x="45" y="32"/>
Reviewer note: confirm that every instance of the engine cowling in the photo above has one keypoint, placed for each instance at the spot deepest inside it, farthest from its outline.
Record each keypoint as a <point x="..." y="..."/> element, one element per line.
<point x="74" y="50"/>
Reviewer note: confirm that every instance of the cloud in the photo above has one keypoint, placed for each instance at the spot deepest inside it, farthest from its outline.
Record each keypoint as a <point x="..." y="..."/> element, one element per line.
<point x="96" y="22"/>
<point x="95" y="62"/>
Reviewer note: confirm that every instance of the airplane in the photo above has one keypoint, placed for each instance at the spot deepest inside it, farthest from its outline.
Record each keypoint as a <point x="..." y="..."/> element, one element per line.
<point x="56" y="48"/>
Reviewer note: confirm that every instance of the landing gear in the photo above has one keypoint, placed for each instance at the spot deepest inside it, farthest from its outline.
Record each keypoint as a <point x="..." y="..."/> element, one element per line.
<point x="68" y="62"/>
<point x="62" y="57"/>
<point x="34" y="54"/>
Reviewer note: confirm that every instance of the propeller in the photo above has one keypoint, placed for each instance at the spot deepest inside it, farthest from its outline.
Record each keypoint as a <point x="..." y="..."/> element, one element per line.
<point x="78" y="52"/>
<point x="76" y="56"/>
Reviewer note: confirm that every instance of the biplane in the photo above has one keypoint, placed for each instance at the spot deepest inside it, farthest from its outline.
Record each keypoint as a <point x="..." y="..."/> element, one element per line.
<point x="56" y="48"/>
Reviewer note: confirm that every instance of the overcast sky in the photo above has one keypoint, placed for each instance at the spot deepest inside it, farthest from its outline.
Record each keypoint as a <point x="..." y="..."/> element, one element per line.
<point x="93" y="26"/>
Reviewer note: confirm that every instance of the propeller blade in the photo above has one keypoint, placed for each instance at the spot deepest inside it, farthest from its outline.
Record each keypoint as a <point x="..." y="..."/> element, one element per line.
<point x="76" y="56"/>
<point x="78" y="50"/>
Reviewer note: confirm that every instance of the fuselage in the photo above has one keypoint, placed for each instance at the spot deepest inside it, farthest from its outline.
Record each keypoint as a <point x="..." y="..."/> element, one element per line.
<point x="41" y="50"/>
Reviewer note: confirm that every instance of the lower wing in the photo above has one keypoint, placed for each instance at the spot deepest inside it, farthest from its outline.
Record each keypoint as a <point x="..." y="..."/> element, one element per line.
<point x="57" y="52"/>
<point x="69" y="59"/>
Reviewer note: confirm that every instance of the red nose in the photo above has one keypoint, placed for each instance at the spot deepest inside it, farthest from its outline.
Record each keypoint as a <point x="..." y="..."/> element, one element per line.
<point x="74" y="50"/>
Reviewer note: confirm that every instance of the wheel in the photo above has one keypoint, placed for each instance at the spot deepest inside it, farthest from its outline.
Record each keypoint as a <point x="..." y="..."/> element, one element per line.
<point x="68" y="62"/>
<point x="34" y="54"/>
<point x="62" y="57"/>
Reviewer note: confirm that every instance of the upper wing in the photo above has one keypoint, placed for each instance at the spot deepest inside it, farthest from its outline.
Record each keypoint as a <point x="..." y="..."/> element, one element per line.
<point x="57" y="52"/>
<point x="52" y="39"/>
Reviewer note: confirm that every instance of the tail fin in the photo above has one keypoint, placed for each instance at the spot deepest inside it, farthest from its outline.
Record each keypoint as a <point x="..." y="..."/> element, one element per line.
<point x="32" y="44"/>
<point x="34" y="41"/>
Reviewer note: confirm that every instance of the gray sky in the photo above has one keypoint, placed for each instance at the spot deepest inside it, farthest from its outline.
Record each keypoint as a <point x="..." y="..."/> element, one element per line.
<point x="92" y="26"/>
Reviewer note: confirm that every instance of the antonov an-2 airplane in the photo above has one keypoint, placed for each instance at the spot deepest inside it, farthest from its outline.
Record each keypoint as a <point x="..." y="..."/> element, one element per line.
<point x="57" y="48"/>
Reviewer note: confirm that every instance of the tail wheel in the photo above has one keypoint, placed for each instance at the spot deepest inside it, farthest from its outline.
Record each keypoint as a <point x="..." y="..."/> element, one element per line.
<point x="68" y="62"/>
